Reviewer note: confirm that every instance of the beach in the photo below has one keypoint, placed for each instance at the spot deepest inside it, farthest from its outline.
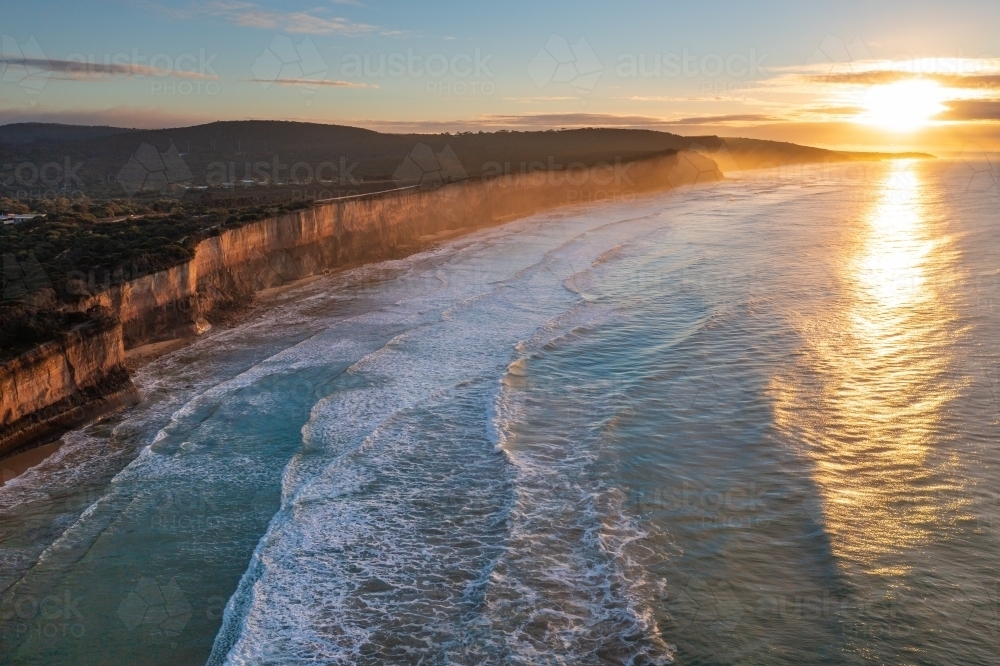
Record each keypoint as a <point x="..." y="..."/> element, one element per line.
<point x="629" y="432"/>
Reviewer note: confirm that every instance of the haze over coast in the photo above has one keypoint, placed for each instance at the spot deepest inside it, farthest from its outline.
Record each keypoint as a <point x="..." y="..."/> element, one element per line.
<point x="188" y="260"/>
<point x="369" y="332"/>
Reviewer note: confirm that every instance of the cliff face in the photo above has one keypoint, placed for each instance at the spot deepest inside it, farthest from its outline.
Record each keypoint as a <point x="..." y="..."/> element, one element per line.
<point x="61" y="384"/>
<point x="354" y="230"/>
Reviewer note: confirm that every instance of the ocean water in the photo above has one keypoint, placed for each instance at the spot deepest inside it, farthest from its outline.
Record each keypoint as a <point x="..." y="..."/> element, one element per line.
<point x="753" y="423"/>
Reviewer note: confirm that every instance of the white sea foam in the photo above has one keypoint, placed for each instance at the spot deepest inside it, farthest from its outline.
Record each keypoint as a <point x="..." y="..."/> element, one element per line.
<point x="404" y="503"/>
<point x="403" y="506"/>
<point x="480" y="449"/>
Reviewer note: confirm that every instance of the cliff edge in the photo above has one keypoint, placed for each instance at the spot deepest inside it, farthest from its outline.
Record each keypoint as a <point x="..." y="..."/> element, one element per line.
<point x="62" y="384"/>
<point x="82" y="376"/>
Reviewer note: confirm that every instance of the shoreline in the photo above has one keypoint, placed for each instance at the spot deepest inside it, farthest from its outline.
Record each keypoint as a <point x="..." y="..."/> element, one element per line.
<point x="22" y="459"/>
<point x="141" y="356"/>
<point x="658" y="178"/>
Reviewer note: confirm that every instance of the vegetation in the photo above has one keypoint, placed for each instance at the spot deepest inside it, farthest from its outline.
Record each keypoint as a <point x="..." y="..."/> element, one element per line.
<point x="81" y="248"/>
<point x="89" y="238"/>
<point x="26" y="325"/>
<point x="55" y="160"/>
<point x="84" y="247"/>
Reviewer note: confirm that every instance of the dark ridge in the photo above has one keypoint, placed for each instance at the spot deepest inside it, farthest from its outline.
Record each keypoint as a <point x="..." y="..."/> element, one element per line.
<point x="356" y="160"/>
<point x="22" y="133"/>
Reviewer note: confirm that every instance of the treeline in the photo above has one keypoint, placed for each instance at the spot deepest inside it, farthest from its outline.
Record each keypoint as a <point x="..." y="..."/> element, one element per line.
<point x="24" y="325"/>
<point x="93" y="161"/>
<point x="71" y="251"/>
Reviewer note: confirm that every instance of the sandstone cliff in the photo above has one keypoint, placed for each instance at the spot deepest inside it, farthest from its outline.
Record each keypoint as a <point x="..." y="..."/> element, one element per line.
<point x="59" y="384"/>
<point x="355" y="230"/>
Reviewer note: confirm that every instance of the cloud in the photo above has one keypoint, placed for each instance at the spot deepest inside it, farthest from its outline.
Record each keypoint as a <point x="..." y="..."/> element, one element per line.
<point x="972" y="109"/>
<point x="613" y="120"/>
<point x="885" y="76"/>
<point x="830" y="111"/>
<point x="120" y="116"/>
<point x="543" y="121"/>
<point x="254" y="16"/>
<point x="870" y="78"/>
<point x="543" y="99"/>
<point x="313" y="82"/>
<point x="726" y="119"/>
<point x="837" y="110"/>
<point x="78" y="70"/>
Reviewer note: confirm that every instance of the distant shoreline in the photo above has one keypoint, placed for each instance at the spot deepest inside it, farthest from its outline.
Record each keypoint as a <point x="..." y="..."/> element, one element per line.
<point x="177" y="321"/>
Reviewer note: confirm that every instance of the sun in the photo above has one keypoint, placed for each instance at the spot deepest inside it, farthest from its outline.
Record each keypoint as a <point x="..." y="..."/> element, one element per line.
<point x="903" y="106"/>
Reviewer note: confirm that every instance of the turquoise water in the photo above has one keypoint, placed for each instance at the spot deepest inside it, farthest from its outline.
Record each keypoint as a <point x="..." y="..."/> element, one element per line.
<point x="754" y="423"/>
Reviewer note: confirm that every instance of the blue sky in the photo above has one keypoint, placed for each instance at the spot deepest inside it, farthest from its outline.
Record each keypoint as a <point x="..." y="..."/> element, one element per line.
<point x="679" y="66"/>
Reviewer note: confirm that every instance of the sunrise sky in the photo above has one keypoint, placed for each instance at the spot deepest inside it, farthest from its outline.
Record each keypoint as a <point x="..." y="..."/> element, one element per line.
<point x="905" y="75"/>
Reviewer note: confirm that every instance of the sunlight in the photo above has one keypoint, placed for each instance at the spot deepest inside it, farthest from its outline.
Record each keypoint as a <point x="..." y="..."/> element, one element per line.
<point x="903" y="106"/>
<point x="869" y="420"/>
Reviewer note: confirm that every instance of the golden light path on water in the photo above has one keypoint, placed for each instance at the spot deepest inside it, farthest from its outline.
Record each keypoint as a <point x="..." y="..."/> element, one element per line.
<point x="868" y="395"/>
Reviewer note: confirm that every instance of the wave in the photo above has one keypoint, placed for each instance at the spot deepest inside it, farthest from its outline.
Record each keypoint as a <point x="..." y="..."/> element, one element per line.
<point x="404" y="506"/>
<point x="573" y="584"/>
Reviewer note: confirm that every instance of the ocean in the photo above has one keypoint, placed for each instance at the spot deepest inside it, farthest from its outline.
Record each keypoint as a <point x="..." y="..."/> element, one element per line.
<point x="756" y="422"/>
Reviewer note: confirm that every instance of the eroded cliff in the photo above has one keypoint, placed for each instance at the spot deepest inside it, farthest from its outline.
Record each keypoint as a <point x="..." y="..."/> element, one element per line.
<point x="60" y="384"/>
<point x="356" y="230"/>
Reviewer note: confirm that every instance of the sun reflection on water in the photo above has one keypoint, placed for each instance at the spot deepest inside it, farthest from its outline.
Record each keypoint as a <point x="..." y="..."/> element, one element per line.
<point x="867" y="401"/>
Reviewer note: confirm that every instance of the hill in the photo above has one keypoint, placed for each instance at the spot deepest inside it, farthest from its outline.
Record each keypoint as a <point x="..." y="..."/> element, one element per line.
<point x="21" y="133"/>
<point x="94" y="161"/>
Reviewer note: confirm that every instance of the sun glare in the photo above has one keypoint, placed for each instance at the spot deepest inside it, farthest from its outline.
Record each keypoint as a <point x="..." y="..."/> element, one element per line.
<point x="904" y="106"/>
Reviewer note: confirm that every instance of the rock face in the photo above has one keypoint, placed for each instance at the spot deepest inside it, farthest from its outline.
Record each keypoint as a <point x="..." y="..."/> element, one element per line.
<point x="355" y="230"/>
<point x="60" y="384"/>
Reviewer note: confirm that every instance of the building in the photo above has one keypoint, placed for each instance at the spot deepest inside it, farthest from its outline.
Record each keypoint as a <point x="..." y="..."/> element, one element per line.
<point x="11" y="218"/>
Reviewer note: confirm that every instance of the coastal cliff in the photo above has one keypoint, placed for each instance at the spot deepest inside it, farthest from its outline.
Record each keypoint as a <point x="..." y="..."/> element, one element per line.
<point x="60" y="384"/>
<point x="355" y="230"/>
